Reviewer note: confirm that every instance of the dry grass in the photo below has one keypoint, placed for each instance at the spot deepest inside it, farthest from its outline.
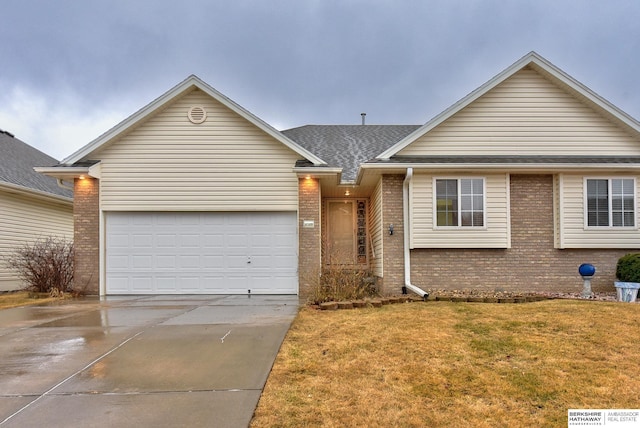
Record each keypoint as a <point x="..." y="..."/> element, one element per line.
<point x="22" y="298"/>
<point x="454" y="365"/>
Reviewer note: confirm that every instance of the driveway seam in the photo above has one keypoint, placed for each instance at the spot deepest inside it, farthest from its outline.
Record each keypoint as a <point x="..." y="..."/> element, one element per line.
<point x="101" y="357"/>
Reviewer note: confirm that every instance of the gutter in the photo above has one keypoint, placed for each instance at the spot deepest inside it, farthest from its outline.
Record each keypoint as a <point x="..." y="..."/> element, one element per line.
<point x="407" y="251"/>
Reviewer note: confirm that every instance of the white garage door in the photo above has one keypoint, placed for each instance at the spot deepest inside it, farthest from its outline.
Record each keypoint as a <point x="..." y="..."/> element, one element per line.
<point x="201" y="253"/>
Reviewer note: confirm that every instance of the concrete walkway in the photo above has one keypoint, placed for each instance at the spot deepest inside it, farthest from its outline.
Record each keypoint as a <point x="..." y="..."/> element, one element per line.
<point x="139" y="361"/>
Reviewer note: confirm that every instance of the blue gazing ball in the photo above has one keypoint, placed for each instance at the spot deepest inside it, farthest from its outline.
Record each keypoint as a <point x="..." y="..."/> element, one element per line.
<point x="587" y="269"/>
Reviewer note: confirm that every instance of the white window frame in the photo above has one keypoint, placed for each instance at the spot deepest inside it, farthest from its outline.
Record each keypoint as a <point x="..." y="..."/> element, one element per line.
<point x="460" y="226"/>
<point x="610" y="203"/>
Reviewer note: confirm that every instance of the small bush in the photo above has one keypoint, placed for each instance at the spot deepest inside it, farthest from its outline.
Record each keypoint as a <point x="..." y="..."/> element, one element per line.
<point x="628" y="268"/>
<point x="46" y="266"/>
<point x="339" y="282"/>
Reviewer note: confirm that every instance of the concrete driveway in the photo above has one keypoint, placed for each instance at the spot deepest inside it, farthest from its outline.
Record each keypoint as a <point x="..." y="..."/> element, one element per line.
<point x="140" y="360"/>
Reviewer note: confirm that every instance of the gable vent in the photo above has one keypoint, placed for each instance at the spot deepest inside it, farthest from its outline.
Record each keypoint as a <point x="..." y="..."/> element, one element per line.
<point x="197" y="114"/>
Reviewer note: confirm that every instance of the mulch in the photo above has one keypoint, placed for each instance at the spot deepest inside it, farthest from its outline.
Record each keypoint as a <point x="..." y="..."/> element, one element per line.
<point x="472" y="296"/>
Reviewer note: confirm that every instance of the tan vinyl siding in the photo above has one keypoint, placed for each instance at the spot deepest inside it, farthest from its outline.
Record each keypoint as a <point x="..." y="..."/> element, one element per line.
<point x="223" y="164"/>
<point x="24" y="220"/>
<point x="375" y="230"/>
<point x="525" y="115"/>
<point x="575" y="233"/>
<point x="495" y="235"/>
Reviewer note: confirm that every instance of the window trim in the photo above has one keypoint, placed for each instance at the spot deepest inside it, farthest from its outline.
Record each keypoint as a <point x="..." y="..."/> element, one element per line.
<point x="458" y="178"/>
<point x="609" y="179"/>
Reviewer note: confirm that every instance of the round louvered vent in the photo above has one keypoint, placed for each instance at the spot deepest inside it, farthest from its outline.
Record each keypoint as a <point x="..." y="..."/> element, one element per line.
<point x="197" y="114"/>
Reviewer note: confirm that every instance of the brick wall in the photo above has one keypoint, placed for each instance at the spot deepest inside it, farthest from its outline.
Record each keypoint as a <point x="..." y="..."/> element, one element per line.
<point x="531" y="264"/>
<point x="86" y="221"/>
<point x="393" y="252"/>
<point x="309" y="241"/>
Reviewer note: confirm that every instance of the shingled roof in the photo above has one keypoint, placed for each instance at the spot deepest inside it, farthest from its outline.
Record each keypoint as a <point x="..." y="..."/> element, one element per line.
<point x="17" y="162"/>
<point x="347" y="146"/>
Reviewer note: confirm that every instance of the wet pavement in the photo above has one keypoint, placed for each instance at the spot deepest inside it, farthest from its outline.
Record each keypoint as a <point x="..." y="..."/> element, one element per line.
<point x="139" y="360"/>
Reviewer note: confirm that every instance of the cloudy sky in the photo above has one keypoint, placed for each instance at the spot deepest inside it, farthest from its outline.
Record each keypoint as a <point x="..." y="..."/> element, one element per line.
<point x="72" y="69"/>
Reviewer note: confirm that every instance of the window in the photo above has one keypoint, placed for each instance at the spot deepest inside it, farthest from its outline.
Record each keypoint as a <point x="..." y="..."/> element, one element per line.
<point x="460" y="202"/>
<point x="611" y="202"/>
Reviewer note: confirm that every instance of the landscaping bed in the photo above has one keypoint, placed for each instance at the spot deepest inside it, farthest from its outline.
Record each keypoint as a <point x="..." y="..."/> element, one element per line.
<point x="472" y="296"/>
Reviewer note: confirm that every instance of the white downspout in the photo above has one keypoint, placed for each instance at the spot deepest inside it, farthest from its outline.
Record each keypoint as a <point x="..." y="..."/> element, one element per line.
<point x="62" y="185"/>
<point x="407" y="251"/>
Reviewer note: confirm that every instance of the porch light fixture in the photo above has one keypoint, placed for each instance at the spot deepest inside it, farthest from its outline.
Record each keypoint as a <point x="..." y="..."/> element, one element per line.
<point x="391" y="229"/>
<point x="81" y="177"/>
<point x="346" y="193"/>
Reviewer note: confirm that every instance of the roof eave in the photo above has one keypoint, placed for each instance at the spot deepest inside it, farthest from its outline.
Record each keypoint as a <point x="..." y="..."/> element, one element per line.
<point x="27" y="191"/>
<point x="63" y="172"/>
<point x="318" y="172"/>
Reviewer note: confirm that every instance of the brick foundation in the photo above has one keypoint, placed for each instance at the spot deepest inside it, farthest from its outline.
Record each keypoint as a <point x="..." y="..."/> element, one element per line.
<point x="532" y="264"/>
<point x="309" y="242"/>
<point x="86" y="225"/>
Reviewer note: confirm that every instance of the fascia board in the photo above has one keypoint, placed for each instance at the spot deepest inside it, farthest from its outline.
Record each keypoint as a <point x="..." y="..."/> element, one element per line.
<point x="530" y="58"/>
<point x="136" y="117"/>
<point x="502" y="167"/>
<point x="26" y="191"/>
<point x="63" y="172"/>
<point x="585" y="92"/>
<point x="227" y="102"/>
<point x="149" y="109"/>
<point x="317" y="171"/>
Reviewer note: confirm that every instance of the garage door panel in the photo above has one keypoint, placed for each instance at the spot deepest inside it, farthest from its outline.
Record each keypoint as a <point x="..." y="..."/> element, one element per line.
<point x="141" y="284"/>
<point x="118" y="262"/>
<point x="166" y="284"/>
<point x="211" y="253"/>
<point x="142" y="262"/>
<point x="143" y="241"/>
<point x="166" y="262"/>
<point x="213" y="261"/>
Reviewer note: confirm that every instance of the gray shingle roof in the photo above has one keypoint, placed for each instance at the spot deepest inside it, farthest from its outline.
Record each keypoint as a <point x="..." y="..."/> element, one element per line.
<point x="17" y="160"/>
<point x="347" y="146"/>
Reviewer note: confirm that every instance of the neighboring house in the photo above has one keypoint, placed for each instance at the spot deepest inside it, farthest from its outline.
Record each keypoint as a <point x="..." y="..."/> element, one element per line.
<point x="32" y="206"/>
<point x="512" y="188"/>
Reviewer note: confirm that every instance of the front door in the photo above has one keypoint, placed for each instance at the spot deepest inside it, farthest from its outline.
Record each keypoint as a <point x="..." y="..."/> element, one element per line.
<point x="341" y="233"/>
<point x="347" y="232"/>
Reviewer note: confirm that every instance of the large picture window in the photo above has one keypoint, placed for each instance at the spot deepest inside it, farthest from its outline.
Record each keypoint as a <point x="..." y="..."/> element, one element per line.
<point x="610" y="202"/>
<point x="460" y="202"/>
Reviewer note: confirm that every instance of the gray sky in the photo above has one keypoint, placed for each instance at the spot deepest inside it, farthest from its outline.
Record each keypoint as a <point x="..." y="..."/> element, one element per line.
<point x="72" y="69"/>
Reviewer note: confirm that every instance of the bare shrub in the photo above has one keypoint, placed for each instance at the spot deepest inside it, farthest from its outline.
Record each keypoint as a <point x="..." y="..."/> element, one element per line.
<point x="341" y="281"/>
<point x="45" y="266"/>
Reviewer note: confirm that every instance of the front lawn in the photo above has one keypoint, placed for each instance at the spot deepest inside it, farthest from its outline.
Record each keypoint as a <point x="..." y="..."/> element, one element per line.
<point x="454" y="364"/>
<point x="23" y="298"/>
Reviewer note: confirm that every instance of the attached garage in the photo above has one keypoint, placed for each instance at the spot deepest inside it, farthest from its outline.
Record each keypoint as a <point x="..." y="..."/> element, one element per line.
<point x="201" y="253"/>
<point x="192" y="194"/>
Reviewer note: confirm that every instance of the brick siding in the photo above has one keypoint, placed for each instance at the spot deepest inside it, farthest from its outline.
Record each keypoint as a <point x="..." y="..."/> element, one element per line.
<point x="86" y="225"/>
<point x="531" y="264"/>
<point x="393" y="248"/>
<point x="309" y="241"/>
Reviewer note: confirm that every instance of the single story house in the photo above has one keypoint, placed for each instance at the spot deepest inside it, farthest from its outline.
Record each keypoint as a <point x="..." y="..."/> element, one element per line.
<point x="511" y="188"/>
<point x="32" y="206"/>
